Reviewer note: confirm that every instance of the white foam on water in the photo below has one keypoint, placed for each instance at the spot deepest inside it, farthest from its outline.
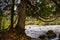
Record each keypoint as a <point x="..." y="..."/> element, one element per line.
<point x="35" y="31"/>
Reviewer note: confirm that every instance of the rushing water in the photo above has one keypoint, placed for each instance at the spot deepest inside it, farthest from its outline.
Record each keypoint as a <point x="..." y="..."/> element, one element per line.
<point x="34" y="31"/>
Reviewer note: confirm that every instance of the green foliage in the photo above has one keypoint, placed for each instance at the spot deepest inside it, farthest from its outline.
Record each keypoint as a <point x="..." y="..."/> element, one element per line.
<point x="34" y="21"/>
<point x="44" y="9"/>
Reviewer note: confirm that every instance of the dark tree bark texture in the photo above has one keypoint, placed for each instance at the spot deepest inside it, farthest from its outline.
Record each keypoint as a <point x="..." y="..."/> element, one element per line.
<point x="21" y="17"/>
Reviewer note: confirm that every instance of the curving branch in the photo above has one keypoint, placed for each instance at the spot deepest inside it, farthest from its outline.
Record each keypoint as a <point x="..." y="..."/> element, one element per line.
<point x="42" y="19"/>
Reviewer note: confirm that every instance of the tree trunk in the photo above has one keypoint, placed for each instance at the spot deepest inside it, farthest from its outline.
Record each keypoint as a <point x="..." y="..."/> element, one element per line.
<point x="21" y="17"/>
<point x="12" y="16"/>
<point x="1" y="16"/>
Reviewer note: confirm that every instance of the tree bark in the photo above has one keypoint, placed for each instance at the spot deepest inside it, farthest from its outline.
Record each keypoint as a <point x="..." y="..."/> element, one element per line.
<point x="12" y="13"/>
<point x="12" y="17"/>
<point x="1" y="17"/>
<point x="21" y="17"/>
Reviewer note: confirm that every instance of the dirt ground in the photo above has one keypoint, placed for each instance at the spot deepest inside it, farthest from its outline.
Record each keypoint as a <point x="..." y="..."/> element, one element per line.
<point x="12" y="36"/>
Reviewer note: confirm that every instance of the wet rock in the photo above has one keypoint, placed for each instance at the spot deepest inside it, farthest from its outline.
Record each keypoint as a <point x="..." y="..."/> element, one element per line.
<point x="59" y="36"/>
<point x="43" y="37"/>
<point x="50" y="34"/>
